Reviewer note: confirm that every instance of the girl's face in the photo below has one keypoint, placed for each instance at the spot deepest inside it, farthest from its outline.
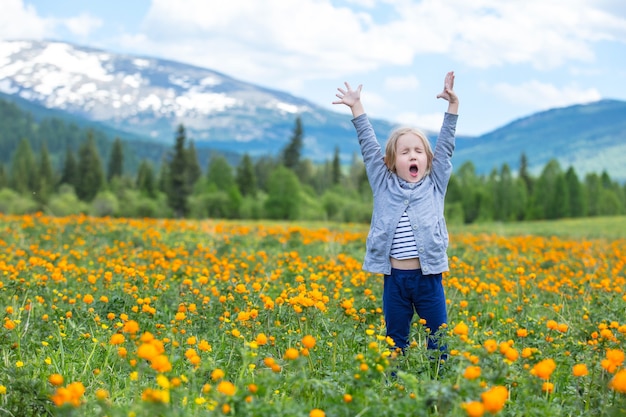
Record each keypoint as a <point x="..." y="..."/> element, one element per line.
<point x="411" y="158"/>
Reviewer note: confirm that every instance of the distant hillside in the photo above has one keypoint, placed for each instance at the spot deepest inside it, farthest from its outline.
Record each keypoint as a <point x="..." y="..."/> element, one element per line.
<point x="590" y="138"/>
<point x="142" y="100"/>
<point x="60" y="131"/>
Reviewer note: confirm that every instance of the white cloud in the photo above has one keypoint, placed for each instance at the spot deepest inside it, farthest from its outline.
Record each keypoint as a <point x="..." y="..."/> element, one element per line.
<point x="83" y="24"/>
<point x="430" y="122"/>
<point x="18" y="21"/>
<point x="292" y="42"/>
<point x="539" y="95"/>
<point x="406" y="83"/>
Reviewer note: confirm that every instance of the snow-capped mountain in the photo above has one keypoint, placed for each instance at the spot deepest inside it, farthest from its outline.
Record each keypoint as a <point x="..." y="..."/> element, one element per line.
<point x="150" y="97"/>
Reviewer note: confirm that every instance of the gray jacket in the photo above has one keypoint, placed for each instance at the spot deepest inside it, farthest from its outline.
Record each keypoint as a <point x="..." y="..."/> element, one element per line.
<point x="423" y="201"/>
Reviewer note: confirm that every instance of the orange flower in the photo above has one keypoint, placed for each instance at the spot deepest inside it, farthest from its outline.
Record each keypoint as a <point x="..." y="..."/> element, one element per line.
<point x="217" y="374"/>
<point x="618" y="383"/>
<point x="614" y="359"/>
<point x="226" y="388"/>
<point x="131" y="326"/>
<point x="544" y="369"/>
<point x="580" y="369"/>
<point x="147" y="351"/>
<point x="490" y="345"/>
<point x="494" y="398"/>
<point x="261" y="339"/>
<point x="471" y="372"/>
<point x="461" y="329"/>
<point x="161" y="364"/>
<point x="547" y="387"/>
<point x="117" y="339"/>
<point x="292" y="354"/>
<point x="308" y="341"/>
<point x="316" y="412"/>
<point x="55" y="379"/>
<point x="474" y="409"/>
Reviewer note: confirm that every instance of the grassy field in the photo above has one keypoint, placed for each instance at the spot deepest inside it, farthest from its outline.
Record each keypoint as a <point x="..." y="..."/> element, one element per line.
<point x="121" y="317"/>
<point x="594" y="228"/>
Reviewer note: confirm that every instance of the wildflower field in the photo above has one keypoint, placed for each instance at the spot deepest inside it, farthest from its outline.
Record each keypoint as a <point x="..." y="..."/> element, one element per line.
<point x="121" y="317"/>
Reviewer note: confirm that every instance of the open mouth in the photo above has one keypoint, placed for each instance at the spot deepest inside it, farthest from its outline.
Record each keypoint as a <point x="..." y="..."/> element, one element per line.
<point x="413" y="170"/>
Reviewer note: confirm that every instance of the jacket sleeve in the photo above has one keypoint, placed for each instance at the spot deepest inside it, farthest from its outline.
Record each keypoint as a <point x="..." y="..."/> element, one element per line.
<point x="371" y="150"/>
<point x="442" y="164"/>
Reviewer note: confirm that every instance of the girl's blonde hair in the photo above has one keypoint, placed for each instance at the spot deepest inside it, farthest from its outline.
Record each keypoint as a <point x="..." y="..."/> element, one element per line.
<point x="392" y="142"/>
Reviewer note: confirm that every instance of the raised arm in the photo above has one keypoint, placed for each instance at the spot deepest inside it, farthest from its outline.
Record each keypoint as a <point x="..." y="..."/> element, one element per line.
<point x="449" y="94"/>
<point x="351" y="98"/>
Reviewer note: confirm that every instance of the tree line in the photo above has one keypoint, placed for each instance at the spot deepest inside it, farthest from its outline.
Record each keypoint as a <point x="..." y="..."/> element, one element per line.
<point x="285" y="186"/>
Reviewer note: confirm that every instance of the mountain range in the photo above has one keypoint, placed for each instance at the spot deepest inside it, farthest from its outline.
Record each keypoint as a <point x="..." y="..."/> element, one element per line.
<point x="144" y="99"/>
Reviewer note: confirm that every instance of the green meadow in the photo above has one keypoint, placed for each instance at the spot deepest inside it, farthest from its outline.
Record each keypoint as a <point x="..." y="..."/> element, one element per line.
<point x="127" y="317"/>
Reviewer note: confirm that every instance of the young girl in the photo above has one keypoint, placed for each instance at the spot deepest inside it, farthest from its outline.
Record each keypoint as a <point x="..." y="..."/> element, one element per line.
<point x="408" y="238"/>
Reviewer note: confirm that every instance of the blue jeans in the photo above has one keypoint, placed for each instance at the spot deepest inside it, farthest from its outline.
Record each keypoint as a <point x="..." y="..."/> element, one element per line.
<point x="407" y="292"/>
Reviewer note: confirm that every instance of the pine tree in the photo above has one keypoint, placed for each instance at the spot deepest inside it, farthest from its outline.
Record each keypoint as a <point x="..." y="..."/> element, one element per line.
<point x="145" y="181"/>
<point x="116" y="160"/>
<point x="90" y="179"/>
<point x="46" y="176"/>
<point x="336" y="173"/>
<point x="292" y="152"/>
<point x="69" y="175"/>
<point x="4" y="181"/>
<point x="246" y="177"/>
<point x="194" y="172"/>
<point x="524" y="174"/>
<point x="577" y="206"/>
<point x="23" y="171"/>
<point x="178" y="189"/>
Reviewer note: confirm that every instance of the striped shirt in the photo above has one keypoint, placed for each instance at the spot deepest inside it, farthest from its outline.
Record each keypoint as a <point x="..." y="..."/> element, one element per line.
<point x="403" y="245"/>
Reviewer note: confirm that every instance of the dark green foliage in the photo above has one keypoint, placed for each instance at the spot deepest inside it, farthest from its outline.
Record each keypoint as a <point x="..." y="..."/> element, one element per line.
<point x="23" y="169"/>
<point x="69" y="175"/>
<point x="178" y="187"/>
<point x="45" y="177"/>
<point x="336" y="173"/>
<point x="146" y="182"/>
<point x="194" y="172"/>
<point x="283" y="195"/>
<point x="69" y="180"/>
<point x="4" y="181"/>
<point x="246" y="177"/>
<point x="293" y="150"/>
<point x="116" y="160"/>
<point x="576" y="203"/>
<point x="90" y="179"/>
<point x="220" y="173"/>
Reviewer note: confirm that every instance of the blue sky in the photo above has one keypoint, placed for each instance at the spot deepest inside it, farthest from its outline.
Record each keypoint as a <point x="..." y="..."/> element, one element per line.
<point x="511" y="58"/>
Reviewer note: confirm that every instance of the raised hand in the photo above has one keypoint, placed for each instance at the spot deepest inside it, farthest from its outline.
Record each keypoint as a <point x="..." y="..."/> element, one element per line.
<point x="348" y="96"/>
<point x="448" y="89"/>
<point x="351" y="98"/>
